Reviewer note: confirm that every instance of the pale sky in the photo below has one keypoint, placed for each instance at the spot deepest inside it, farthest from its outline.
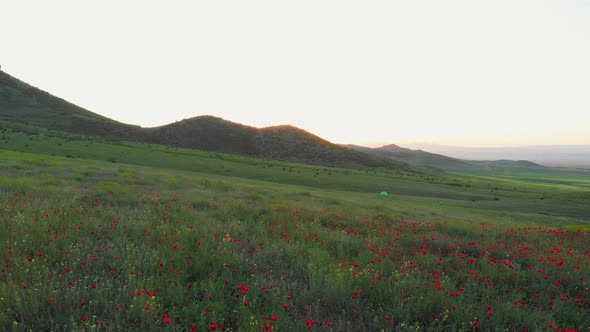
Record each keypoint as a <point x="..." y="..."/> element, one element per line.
<point x="472" y="73"/>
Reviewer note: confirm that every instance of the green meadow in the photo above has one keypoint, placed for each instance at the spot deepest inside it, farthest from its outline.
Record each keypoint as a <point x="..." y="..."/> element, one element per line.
<point x="101" y="235"/>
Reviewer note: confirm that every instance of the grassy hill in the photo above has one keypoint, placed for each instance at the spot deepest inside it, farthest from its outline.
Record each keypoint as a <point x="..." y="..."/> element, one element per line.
<point x="22" y="103"/>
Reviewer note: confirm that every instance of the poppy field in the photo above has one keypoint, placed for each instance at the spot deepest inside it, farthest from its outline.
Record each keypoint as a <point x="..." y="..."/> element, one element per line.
<point x="91" y="248"/>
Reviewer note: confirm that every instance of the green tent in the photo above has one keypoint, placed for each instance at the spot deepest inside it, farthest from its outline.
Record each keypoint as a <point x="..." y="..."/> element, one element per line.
<point x="383" y="193"/>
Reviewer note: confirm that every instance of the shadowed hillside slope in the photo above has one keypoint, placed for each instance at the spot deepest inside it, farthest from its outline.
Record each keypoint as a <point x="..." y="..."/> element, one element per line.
<point x="277" y="142"/>
<point x="206" y="133"/>
<point x="23" y="103"/>
<point x="294" y="144"/>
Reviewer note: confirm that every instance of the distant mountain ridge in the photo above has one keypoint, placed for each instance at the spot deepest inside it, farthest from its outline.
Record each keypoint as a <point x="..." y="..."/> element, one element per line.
<point x="23" y="103"/>
<point x="548" y="155"/>
<point x="505" y="163"/>
<point x="415" y="157"/>
<point x="428" y="159"/>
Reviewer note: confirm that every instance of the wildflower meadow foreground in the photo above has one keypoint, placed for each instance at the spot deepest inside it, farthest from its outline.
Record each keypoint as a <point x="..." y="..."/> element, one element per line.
<point x="241" y="265"/>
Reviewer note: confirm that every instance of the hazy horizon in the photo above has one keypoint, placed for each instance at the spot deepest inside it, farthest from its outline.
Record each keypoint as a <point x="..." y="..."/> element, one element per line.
<point x="424" y="144"/>
<point x="507" y="73"/>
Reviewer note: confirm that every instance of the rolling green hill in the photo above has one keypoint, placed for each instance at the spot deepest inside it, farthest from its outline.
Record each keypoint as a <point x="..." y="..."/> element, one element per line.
<point x="23" y="103"/>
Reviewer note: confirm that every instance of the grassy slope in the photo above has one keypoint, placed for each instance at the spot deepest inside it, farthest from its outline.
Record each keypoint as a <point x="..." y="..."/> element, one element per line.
<point x="524" y="193"/>
<point x="57" y="178"/>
